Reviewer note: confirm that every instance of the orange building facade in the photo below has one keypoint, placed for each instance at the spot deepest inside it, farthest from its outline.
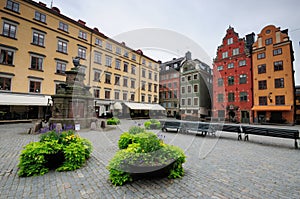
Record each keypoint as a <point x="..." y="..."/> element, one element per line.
<point x="273" y="77"/>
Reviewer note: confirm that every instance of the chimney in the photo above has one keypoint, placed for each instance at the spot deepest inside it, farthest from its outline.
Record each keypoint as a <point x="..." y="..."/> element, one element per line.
<point x="81" y="22"/>
<point x="56" y="9"/>
<point x="188" y="55"/>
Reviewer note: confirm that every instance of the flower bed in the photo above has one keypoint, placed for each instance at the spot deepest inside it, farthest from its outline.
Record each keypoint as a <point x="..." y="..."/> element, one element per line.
<point x="61" y="151"/>
<point x="144" y="154"/>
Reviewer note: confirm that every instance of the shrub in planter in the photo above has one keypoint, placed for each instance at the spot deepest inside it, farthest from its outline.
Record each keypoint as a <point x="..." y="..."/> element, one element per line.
<point x="152" y="124"/>
<point x="144" y="154"/>
<point x="113" y="121"/>
<point x="61" y="151"/>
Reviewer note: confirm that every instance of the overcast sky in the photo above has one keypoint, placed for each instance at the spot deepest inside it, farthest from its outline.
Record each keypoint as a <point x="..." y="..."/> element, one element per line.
<point x="202" y="22"/>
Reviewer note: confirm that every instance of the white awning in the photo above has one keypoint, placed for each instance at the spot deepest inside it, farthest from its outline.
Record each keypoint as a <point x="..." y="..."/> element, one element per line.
<point x="24" y="99"/>
<point x="141" y="106"/>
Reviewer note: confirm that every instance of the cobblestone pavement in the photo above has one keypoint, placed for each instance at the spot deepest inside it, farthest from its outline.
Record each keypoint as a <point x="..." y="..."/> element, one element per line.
<point x="216" y="167"/>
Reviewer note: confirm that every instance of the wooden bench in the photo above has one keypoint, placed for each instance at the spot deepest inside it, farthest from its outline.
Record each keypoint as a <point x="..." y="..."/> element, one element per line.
<point x="171" y="126"/>
<point x="272" y="132"/>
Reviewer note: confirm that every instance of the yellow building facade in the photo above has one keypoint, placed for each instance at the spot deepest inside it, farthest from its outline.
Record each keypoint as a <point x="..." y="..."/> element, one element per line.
<point x="273" y="77"/>
<point x="37" y="46"/>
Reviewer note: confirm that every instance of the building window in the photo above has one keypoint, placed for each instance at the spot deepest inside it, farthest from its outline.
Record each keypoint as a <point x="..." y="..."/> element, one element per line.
<point x="221" y="113"/>
<point x="220" y="82"/>
<point x="108" y="61"/>
<point x="280" y="100"/>
<point x="261" y="55"/>
<point x="183" y="79"/>
<point x="220" y="97"/>
<point x="277" y="51"/>
<point x="82" y="69"/>
<point x="117" y="95"/>
<point x="125" y="53"/>
<point x="149" y="98"/>
<point x="97" y="75"/>
<point x="143" y="98"/>
<point x="133" y="69"/>
<point x="220" y="68"/>
<point x="62" y="46"/>
<point x="230" y="65"/>
<point x="230" y="80"/>
<point x="107" y="94"/>
<point x="38" y="38"/>
<point x="189" y="78"/>
<point x="125" y="81"/>
<point x="243" y="79"/>
<point x="242" y="63"/>
<point x="96" y="93"/>
<point x="125" y="69"/>
<point x="269" y="41"/>
<point x="118" y="50"/>
<point x="278" y="65"/>
<point x="107" y="78"/>
<point x="243" y="96"/>
<point x="262" y="100"/>
<point x="230" y="97"/>
<point x="196" y="88"/>
<point x="175" y="84"/>
<point x="98" y="42"/>
<point x="230" y="41"/>
<point x="97" y="57"/>
<point x="262" y="68"/>
<point x="144" y="62"/>
<point x="36" y="62"/>
<point x="224" y="54"/>
<point x="183" y="102"/>
<point x="196" y="100"/>
<point x="155" y="76"/>
<point x="235" y="51"/>
<point x="5" y="83"/>
<point x="118" y="64"/>
<point x="14" y="6"/>
<point x="6" y="56"/>
<point x="143" y="85"/>
<point x="82" y="35"/>
<point x="143" y="73"/>
<point x="34" y="86"/>
<point x="61" y="67"/>
<point x="189" y="88"/>
<point x="183" y="90"/>
<point x="133" y="57"/>
<point x="63" y="26"/>
<point x="279" y="83"/>
<point x="9" y="30"/>
<point x="150" y="75"/>
<point x="132" y="96"/>
<point x="132" y="85"/>
<point x="125" y="96"/>
<point x="81" y="52"/>
<point x="189" y="101"/>
<point x="40" y="17"/>
<point x="108" y="46"/>
<point x="117" y="80"/>
<point x="155" y="88"/>
<point x="262" y="85"/>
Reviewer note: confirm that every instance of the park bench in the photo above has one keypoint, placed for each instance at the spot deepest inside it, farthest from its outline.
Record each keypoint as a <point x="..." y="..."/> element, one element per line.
<point x="272" y="132"/>
<point x="197" y="127"/>
<point x="170" y="126"/>
<point x="232" y="128"/>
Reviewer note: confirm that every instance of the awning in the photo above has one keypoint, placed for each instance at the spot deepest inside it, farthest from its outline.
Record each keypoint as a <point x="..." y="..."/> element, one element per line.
<point x="24" y="99"/>
<point x="141" y="106"/>
<point x="272" y="108"/>
<point x="103" y="102"/>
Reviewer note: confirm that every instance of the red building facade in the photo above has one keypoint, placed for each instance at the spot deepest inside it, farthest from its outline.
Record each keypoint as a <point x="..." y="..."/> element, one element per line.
<point x="232" y="81"/>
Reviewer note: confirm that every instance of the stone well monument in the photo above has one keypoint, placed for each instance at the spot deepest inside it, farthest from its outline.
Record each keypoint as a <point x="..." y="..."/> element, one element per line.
<point x="73" y="103"/>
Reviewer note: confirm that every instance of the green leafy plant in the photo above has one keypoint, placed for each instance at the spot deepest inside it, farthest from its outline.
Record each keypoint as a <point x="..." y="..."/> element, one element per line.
<point x="113" y="121"/>
<point x="144" y="150"/>
<point x="152" y="124"/>
<point x="61" y="151"/>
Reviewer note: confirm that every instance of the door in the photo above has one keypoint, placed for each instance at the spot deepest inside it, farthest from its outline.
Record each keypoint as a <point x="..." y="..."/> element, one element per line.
<point x="245" y="117"/>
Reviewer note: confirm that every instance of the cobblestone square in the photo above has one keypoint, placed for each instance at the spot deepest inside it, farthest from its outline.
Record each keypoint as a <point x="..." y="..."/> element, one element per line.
<point x="216" y="167"/>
